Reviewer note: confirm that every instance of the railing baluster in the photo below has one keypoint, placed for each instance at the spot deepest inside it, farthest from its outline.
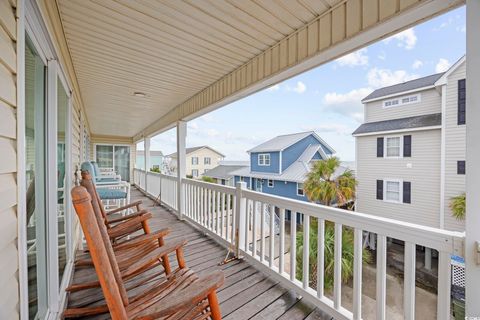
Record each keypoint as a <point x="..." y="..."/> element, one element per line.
<point x="320" y="256"/>
<point x="381" y="275"/>
<point x="209" y="210"/>
<point x="281" y="249"/>
<point x="222" y="212"/>
<point x="409" y="281"/>
<point x="229" y="212"/>
<point x="357" y="273"/>
<point x="271" y="253"/>
<point x="444" y="281"/>
<point x="306" y="251"/>
<point x="262" y="231"/>
<point x="202" y="209"/>
<point x="254" y="229"/>
<point x="217" y="214"/>
<point x="293" y="244"/>
<point x="337" y="271"/>
<point x="247" y="221"/>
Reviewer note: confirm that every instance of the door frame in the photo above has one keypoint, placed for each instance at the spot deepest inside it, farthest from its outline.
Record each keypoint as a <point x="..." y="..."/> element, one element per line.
<point x="130" y="167"/>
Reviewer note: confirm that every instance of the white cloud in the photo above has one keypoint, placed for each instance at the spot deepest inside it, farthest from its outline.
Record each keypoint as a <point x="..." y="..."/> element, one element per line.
<point x="299" y="88"/>
<point x="347" y="104"/>
<point x="384" y="77"/>
<point x="417" y="64"/>
<point x="382" y="55"/>
<point x="357" y="58"/>
<point x="461" y="28"/>
<point x="275" y="87"/>
<point x="405" y="39"/>
<point x="442" y="65"/>
<point x="212" y="133"/>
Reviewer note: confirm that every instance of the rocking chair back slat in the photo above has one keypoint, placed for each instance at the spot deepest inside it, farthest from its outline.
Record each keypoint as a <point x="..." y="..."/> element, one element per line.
<point x="103" y="267"/>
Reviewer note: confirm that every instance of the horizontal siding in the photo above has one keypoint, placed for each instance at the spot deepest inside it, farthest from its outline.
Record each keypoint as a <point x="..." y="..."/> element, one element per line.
<point x="431" y="102"/>
<point x="455" y="145"/>
<point x="424" y="175"/>
<point x="9" y="295"/>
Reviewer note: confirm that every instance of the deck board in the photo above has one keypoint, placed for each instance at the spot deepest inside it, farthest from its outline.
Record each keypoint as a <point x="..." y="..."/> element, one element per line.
<point x="246" y="294"/>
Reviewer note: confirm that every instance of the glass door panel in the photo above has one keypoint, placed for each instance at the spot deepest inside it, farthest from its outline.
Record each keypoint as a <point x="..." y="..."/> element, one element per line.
<point x="35" y="145"/>
<point x="105" y="156"/>
<point x="62" y="113"/>
<point x="122" y="162"/>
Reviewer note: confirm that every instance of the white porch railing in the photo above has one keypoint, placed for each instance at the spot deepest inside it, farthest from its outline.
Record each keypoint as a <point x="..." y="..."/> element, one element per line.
<point x="235" y="217"/>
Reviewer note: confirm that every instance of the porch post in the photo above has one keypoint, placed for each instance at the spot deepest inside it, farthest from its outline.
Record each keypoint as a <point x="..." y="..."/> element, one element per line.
<point x="146" y="144"/>
<point x="472" y="222"/>
<point x="181" y="165"/>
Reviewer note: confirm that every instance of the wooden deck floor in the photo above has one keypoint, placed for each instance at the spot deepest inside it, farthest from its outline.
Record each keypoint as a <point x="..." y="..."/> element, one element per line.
<point x="247" y="293"/>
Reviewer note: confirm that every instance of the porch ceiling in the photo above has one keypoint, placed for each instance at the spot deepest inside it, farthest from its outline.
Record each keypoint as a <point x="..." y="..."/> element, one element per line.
<point x="188" y="55"/>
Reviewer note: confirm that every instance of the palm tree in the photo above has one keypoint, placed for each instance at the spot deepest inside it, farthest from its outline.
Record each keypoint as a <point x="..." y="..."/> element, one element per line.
<point x="457" y="204"/>
<point x="325" y="185"/>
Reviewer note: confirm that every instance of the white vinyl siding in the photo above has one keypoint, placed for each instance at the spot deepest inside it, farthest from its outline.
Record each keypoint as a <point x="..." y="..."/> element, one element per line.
<point x="9" y="298"/>
<point x="454" y="147"/>
<point x="422" y="170"/>
<point x="430" y="103"/>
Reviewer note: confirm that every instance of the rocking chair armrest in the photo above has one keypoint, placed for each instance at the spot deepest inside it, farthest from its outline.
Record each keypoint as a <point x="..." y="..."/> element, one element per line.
<point x="127" y="217"/>
<point x="140" y="240"/>
<point x="130" y="205"/>
<point x="198" y="291"/>
<point x="125" y="227"/>
<point x="154" y="256"/>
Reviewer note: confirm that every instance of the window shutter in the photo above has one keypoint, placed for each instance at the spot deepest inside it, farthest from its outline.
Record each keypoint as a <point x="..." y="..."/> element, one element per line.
<point x="379" y="147"/>
<point x="407" y="192"/>
<point x="461" y="167"/>
<point x="461" y="101"/>
<point x="407" y="146"/>
<point x="379" y="189"/>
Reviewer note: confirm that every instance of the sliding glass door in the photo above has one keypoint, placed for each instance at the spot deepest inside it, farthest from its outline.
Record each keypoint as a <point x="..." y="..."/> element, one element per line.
<point x="114" y="158"/>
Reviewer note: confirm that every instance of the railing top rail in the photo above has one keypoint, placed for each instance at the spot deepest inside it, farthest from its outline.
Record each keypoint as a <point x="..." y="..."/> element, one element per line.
<point x="213" y="186"/>
<point x="442" y="240"/>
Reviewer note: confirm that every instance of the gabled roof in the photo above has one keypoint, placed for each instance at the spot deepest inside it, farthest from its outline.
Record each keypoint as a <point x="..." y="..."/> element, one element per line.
<point x="193" y="149"/>
<point x="224" y="171"/>
<point x="424" y="82"/>
<point x="282" y="142"/>
<point x="443" y="79"/>
<point x="428" y="120"/>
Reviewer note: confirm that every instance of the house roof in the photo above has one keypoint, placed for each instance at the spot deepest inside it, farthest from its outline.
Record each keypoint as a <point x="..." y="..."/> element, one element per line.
<point x="280" y="143"/>
<point x="427" y="120"/>
<point x="224" y="171"/>
<point x="152" y="153"/>
<point x="296" y="172"/>
<point x="193" y="149"/>
<point x="405" y="86"/>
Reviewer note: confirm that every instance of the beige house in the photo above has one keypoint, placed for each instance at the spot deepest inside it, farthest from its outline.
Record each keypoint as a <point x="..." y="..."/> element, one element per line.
<point x="198" y="160"/>
<point x="411" y="149"/>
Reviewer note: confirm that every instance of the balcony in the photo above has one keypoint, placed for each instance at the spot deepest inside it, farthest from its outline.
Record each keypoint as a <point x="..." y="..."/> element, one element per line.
<point x="246" y="221"/>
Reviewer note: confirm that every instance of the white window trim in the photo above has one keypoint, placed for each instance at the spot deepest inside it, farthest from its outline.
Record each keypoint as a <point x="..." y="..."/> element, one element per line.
<point x="400" y="188"/>
<point x="264" y="162"/>
<point x="298" y="194"/>
<point x="195" y="163"/>
<point x="209" y="160"/>
<point x="400" y="98"/>
<point x="385" y="155"/>
<point x="194" y="175"/>
<point x="273" y="183"/>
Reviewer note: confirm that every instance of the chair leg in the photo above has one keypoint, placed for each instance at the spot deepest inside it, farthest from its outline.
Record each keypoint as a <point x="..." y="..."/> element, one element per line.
<point x="214" y="306"/>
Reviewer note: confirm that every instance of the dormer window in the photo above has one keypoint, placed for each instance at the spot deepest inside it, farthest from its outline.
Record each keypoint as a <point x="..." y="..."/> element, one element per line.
<point x="401" y="101"/>
<point x="264" y="159"/>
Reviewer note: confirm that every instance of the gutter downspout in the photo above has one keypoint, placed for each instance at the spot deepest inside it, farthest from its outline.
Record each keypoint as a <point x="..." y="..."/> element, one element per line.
<point x="442" y="158"/>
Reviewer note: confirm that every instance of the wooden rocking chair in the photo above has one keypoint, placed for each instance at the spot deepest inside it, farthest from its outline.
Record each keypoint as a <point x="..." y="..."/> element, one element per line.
<point x="181" y="295"/>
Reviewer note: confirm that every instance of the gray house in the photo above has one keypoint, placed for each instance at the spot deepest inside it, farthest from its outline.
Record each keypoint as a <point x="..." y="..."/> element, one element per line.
<point x="411" y="149"/>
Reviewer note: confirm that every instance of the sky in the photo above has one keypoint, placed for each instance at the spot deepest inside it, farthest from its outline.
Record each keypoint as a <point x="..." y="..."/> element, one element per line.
<point x="327" y="99"/>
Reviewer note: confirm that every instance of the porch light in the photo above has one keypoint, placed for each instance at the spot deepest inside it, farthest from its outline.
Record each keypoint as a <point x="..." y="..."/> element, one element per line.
<point x="139" y="94"/>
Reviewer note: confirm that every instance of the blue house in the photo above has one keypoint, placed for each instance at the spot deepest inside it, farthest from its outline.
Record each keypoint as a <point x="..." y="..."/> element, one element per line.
<point x="280" y="165"/>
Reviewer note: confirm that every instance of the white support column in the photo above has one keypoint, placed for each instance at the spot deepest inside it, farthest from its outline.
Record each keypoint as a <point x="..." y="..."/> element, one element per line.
<point x="146" y="147"/>
<point x="181" y="165"/>
<point x="472" y="223"/>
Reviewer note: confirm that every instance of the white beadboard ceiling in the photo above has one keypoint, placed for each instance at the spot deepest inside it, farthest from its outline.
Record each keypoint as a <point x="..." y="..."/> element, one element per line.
<point x="172" y="50"/>
<point x="169" y="50"/>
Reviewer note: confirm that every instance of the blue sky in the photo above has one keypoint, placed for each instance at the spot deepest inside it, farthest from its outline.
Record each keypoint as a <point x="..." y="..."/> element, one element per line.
<point x="327" y="99"/>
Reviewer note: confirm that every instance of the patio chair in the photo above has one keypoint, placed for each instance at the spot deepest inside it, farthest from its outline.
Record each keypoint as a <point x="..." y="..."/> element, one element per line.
<point x="181" y="295"/>
<point x="98" y="177"/>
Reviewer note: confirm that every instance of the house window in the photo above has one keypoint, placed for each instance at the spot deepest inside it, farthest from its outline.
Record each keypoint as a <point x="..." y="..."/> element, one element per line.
<point x="393" y="147"/>
<point x="194" y="160"/>
<point x="207" y="160"/>
<point x="264" y="159"/>
<point x="462" y="99"/>
<point x="270" y="183"/>
<point x="393" y="192"/>
<point x="300" y="191"/>
<point x="461" y="167"/>
<point x="242" y="179"/>
<point x="194" y="173"/>
<point x="401" y="101"/>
